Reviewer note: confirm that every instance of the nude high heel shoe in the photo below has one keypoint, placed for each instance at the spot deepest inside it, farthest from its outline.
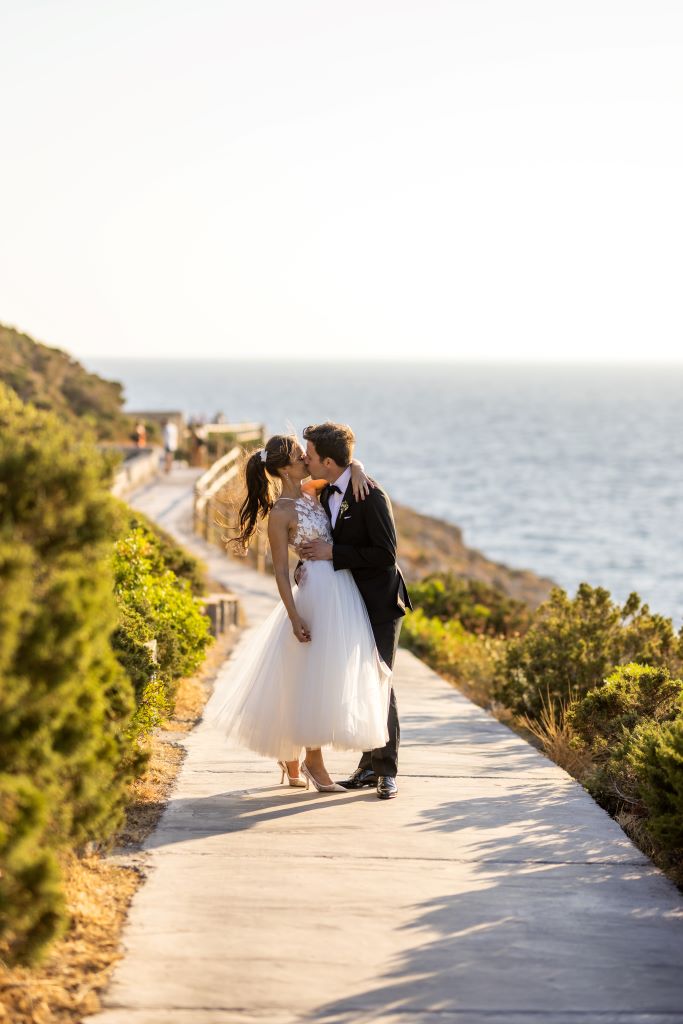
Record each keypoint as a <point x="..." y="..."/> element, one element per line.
<point x="334" y="788"/>
<point x="300" y="783"/>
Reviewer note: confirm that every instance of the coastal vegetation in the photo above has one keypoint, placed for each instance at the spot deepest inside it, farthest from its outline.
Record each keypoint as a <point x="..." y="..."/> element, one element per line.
<point x="480" y="608"/>
<point x="573" y="643"/>
<point x="85" y="585"/>
<point x="161" y="635"/>
<point x="597" y="684"/>
<point x="53" y="380"/>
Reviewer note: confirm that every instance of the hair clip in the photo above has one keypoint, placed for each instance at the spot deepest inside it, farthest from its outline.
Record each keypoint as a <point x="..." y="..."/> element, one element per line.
<point x="264" y="454"/>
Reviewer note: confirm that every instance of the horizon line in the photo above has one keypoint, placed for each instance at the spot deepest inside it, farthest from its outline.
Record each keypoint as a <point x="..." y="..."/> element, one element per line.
<point x="435" y="360"/>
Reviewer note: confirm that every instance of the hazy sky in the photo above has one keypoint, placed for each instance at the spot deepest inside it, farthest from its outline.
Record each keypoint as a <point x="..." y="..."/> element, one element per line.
<point x="497" y="179"/>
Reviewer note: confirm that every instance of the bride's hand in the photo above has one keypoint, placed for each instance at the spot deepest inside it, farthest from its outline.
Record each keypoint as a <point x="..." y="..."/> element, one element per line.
<point x="313" y="487"/>
<point x="301" y="631"/>
<point x="360" y="482"/>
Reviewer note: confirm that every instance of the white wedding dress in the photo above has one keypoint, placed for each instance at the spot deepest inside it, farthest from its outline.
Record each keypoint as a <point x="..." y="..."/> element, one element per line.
<point x="282" y="695"/>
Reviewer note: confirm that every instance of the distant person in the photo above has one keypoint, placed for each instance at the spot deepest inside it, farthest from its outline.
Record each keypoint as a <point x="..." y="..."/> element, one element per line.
<point x="140" y="434"/>
<point x="170" y="444"/>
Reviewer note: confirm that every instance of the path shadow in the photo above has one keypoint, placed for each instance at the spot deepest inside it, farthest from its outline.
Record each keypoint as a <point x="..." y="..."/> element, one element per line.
<point x="533" y="823"/>
<point x="525" y="934"/>
<point x="539" y="917"/>
<point x="238" y="811"/>
<point x="586" y="940"/>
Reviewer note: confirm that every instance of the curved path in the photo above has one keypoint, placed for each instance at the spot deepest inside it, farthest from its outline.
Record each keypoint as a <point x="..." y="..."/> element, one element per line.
<point x="492" y="891"/>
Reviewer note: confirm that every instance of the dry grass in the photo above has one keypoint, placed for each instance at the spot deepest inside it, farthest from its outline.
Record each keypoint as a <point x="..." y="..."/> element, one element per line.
<point x="557" y="738"/>
<point x="67" y="985"/>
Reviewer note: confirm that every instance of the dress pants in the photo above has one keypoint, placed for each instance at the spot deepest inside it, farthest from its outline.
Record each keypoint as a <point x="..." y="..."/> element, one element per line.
<point x="384" y="760"/>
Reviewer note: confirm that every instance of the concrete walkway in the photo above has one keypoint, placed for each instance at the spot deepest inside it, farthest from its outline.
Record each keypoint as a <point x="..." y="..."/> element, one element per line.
<point x="492" y="890"/>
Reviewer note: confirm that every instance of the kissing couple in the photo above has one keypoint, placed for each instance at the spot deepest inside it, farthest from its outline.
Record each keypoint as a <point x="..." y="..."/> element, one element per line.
<point x="318" y="671"/>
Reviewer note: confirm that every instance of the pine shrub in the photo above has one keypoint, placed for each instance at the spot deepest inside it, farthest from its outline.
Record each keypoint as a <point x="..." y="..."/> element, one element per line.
<point x="479" y="607"/>
<point x="609" y="719"/>
<point x="574" y="643"/>
<point x="65" y="701"/>
<point x="657" y="759"/>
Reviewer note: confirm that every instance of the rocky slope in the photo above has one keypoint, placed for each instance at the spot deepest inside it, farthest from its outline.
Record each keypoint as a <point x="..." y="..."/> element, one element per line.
<point x="428" y="545"/>
<point x="52" y="379"/>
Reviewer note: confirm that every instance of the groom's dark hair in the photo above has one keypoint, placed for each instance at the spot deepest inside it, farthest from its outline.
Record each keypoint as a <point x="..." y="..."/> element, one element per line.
<point x="332" y="441"/>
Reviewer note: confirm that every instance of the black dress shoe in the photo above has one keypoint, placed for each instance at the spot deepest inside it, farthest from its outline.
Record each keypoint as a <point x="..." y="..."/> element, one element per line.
<point x="386" y="787"/>
<point x="360" y="778"/>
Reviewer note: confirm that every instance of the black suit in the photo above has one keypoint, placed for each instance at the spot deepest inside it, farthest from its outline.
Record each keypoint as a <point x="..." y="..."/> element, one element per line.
<point x="364" y="541"/>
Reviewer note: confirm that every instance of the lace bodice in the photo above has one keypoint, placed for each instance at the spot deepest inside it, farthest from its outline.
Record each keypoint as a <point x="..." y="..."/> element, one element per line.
<point x="312" y="522"/>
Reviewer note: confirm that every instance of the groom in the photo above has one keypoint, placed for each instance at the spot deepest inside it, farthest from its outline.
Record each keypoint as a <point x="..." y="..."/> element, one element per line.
<point x="364" y="541"/>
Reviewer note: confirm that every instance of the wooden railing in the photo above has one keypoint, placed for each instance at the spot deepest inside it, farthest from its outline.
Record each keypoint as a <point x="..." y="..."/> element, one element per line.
<point x="224" y="435"/>
<point x="220" y="474"/>
<point x="140" y="465"/>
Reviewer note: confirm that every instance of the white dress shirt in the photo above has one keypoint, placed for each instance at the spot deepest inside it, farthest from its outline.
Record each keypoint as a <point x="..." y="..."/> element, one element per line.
<point x="170" y="436"/>
<point x="335" y="499"/>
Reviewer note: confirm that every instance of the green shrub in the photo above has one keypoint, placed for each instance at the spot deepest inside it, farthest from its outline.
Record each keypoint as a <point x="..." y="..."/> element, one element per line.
<point x="657" y="759"/>
<point x="66" y="704"/>
<point x="480" y="607"/>
<point x="155" y="605"/>
<point x="174" y="557"/>
<point x="32" y="909"/>
<point x="573" y="643"/>
<point x="469" y="659"/>
<point x="631" y="694"/>
<point x="610" y="718"/>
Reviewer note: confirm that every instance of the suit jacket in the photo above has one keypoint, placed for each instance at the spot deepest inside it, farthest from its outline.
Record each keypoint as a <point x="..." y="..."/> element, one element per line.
<point x="364" y="541"/>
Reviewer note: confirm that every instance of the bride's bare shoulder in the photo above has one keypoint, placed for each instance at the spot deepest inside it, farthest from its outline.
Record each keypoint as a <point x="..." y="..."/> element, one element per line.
<point x="283" y="508"/>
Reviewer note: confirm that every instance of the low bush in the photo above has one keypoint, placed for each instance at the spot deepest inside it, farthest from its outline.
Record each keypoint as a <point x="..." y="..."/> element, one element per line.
<point x="173" y="556"/>
<point x="574" y="643"/>
<point x="630" y="695"/>
<point x="632" y="729"/>
<point x="657" y="758"/>
<point x="157" y="606"/>
<point x="479" y="607"/>
<point x="469" y="659"/>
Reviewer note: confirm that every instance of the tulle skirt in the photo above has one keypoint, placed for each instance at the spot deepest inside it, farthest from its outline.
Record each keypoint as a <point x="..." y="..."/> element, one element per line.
<point x="280" y="695"/>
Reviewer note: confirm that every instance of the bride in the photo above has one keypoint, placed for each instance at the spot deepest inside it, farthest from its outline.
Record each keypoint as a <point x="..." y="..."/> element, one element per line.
<point x="310" y="675"/>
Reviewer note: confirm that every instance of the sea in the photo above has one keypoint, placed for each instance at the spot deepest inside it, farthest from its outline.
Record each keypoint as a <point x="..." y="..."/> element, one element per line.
<point x="573" y="471"/>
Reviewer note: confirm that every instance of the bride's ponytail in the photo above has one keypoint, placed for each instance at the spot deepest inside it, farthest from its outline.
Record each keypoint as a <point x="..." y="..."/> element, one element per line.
<point x="261" y="472"/>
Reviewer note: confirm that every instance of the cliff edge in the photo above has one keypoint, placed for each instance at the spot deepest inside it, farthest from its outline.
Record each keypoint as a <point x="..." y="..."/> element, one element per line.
<point x="428" y="545"/>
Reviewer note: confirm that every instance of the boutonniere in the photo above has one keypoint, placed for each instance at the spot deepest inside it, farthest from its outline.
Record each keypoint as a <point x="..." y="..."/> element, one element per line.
<point x="344" y="507"/>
